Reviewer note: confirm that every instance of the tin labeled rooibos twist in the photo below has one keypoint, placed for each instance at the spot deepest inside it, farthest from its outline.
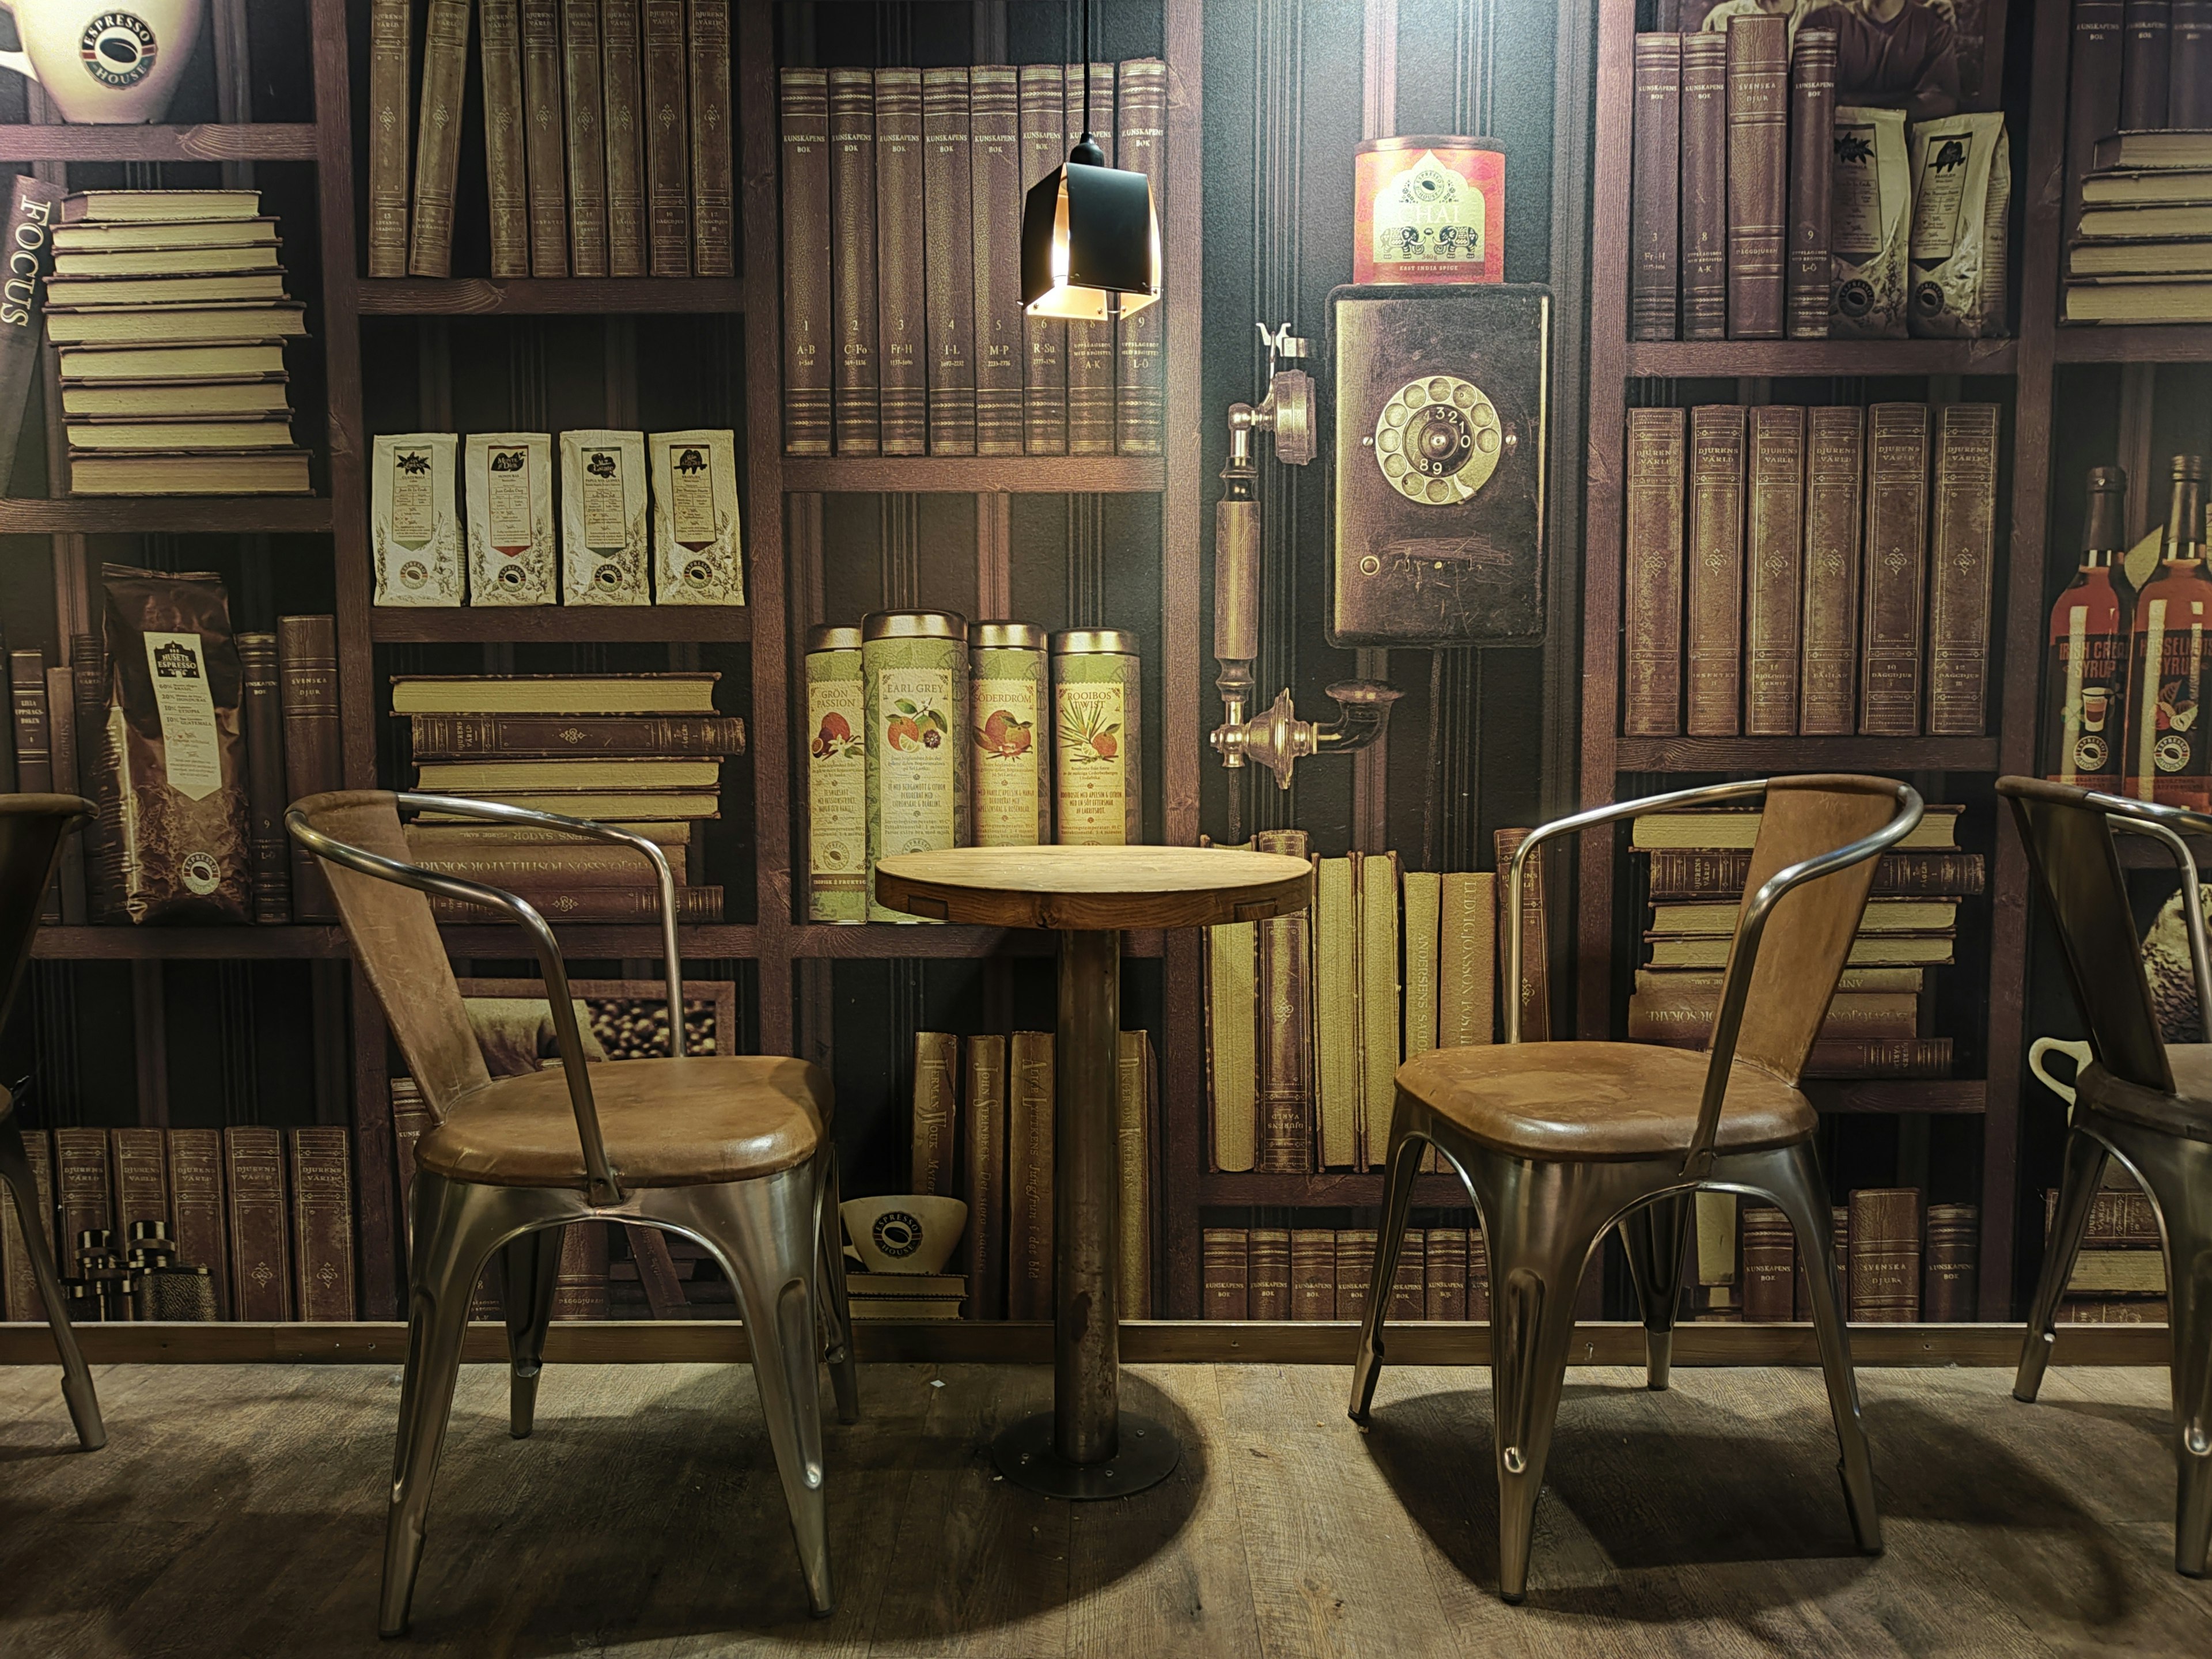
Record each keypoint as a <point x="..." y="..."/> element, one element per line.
<point x="1097" y="772"/>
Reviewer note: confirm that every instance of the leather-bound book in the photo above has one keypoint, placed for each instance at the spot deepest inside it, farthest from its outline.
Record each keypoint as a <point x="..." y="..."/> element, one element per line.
<point x="1337" y="1082"/>
<point x="1267" y="1282"/>
<point x="61" y="739"/>
<point x="1043" y="103"/>
<point x="506" y="173"/>
<point x="1954" y="1256"/>
<point x="901" y="302"/>
<point x="1535" y="935"/>
<point x="19" y="1301"/>
<point x="2189" y="78"/>
<point x="855" y="416"/>
<point x="622" y="80"/>
<point x="1758" y="173"/>
<point x="1313" y="1273"/>
<point x="809" y="338"/>
<point x="1424" y="922"/>
<point x="713" y="171"/>
<point x="1140" y="136"/>
<point x="1135" y="1101"/>
<point x="1658" y="484"/>
<point x="35" y="770"/>
<point x="564" y="901"/>
<point x="1223" y="1271"/>
<point x="1835" y="466"/>
<point x="1812" y="132"/>
<point x="994" y="170"/>
<point x="948" y="264"/>
<point x="1962" y="557"/>
<point x="1773" y="569"/>
<point x="930" y="1164"/>
<point x="2145" y="65"/>
<point x="2092" y="92"/>
<point x="1444" y="1266"/>
<point x="1232" y="1059"/>
<point x="984" y="1242"/>
<point x="1715" y="581"/>
<point x="1028" y="1177"/>
<point x="1704" y="187"/>
<point x="1090" y="345"/>
<point x="322" y="1223"/>
<point x="517" y="737"/>
<point x="1892" y="639"/>
<point x="261" y="716"/>
<point x="95" y="777"/>
<point x="1770" y="1262"/>
<point x="1285" y="995"/>
<point x="390" y="89"/>
<point x="668" y="142"/>
<point x="308" y="693"/>
<point x="1839" y="1229"/>
<point x="1478" y="1275"/>
<point x="138" y="1164"/>
<point x="1654" y="199"/>
<point x="545" y="146"/>
<point x="1885" y="1256"/>
<point x="2117" y="1219"/>
<point x="1409" y="1295"/>
<point x="196" y="1210"/>
<point x="260" y="1230"/>
<point x="438" y="137"/>
<point x="1379" y="1002"/>
<point x="585" y="103"/>
<point x="1355" y="1265"/>
<point x="1466" y="962"/>
<point x="580" y="1284"/>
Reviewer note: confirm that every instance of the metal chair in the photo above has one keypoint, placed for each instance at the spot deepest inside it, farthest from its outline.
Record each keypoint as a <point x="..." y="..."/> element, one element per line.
<point x="2140" y="1100"/>
<point x="31" y="830"/>
<point x="1557" y="1141"/>
<point x="729" y="1150"/>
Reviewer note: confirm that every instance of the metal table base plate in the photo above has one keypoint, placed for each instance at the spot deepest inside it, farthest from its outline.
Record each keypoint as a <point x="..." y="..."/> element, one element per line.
<point x="1148" y="1455"/>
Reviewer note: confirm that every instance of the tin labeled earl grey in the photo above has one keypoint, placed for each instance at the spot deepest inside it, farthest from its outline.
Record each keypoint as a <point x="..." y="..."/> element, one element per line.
<point x="1098" y="793"/>
<point x="915" y="672"/>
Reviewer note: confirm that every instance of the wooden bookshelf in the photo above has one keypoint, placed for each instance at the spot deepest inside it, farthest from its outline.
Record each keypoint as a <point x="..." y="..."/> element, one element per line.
<point x="2160" y="342"/>
<point x="214" y="142"/>
<point x="546" y="296"/>
<point x="1731" y="360"/>
<point x="576" y="624"/>
<point x="173" y="515"/>
<point x="1033" y="475"/>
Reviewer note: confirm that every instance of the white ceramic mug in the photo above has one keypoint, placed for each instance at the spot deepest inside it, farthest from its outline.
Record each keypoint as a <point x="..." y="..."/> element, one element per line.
<point x="2079" y="1053"/>
<point x="904" y="1233"/>
<point x="105" y="63"/>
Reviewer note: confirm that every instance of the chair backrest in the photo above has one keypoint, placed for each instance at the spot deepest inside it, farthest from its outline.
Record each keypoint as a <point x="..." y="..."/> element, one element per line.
<point x="32" y="829"/>
<point x="2071" y="849"/>
<point x="395" y="941"/>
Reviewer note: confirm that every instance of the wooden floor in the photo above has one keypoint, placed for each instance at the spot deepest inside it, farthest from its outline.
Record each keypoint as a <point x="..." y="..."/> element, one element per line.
<point x="238" y="1510"/>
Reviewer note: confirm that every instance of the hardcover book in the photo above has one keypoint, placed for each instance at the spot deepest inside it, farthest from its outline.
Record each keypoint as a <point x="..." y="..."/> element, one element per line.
<point x="1313" y="1273"/>
<point x="1651" y="654"/>
<point x="1090" y="345"/>
<point x="1232" y="1014"/>
<point x="1267" y="1274"/>
<point x="901" y="299"/>
<point x="322" y="1223"/>
<point x="621" y="77"/>
<point x="308" y="700"/>
<point x="948" y="264"/>
<point x="1774" y="568"/>
<point x="1885" y="1256"/>
<point x="1223" y="1272"/>
<point x="668" y="142"/>
<point x="1758" y="173"/>
<point x="1285" y="1068"/>
<point x="1140" y="146"/>
<point x="1136" y="1103"/>
<point x="985" y="1242"/>
<point x="1028" y="1177"/>
<point x="1653" y="236"/>
<point x="714" y="172"/>
<point x="1704" y="187"/>
<point x="437" y="138"/>
<point x="995" y="225"/>
<point x="389" y="85"/>
<point x="1893" y="636"/>
<point x="1715" y="582"/>
<point x="586" y="137"/>
<point x="544" y="146"/>
<point x="260" y="1241"/>
<point x="1962" y="554"/>
<point x="1812" y="131"/>
<point x="505" y="167"/>
<point x="196" y="1207"/>
<point x="1834" y="466"/>
<point x="809" y="338"/>
<point x="1044" y="146"/>
<point x="855" y="418"/>
<point x="936" y="1061"/>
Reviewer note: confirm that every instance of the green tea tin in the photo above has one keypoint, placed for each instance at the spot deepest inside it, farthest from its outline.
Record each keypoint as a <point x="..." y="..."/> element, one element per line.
<point x="913" y="666"/>
<point x="837" y="777"/>
<point x="1010" y="804"/>
<point x="1098" y="773"/>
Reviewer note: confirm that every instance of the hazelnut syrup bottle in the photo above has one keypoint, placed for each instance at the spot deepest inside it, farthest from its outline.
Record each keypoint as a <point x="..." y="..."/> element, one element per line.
<point x="2085" y="675"/>
<point x="2169" y="747"/>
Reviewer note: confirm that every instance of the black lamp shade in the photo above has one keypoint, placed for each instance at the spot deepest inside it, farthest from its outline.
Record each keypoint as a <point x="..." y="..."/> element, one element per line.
<point x="1091" y="244"/>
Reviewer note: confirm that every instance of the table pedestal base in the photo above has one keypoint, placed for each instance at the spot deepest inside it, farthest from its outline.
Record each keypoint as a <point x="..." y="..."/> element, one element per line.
<point x="1148" y="1455"/>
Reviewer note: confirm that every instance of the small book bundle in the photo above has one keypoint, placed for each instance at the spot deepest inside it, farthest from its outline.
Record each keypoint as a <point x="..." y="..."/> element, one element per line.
<point x="646" y="519"/>
<point x="903" y="328"/>
<point x="267" y="1212"/>
<point x="2141" y="247"/>
<point x="1900" y="1261"/>
<point x="2119" y="1276"/>
<point x="1818" y="571"/>
<point x="982" y="1133"/>
<point x="608" y="127"/>
<point x="1319" y="1273"/>
<point x="643" y="751"/>
<point x="168" y="311"/>
<point x="1699" y="863"/>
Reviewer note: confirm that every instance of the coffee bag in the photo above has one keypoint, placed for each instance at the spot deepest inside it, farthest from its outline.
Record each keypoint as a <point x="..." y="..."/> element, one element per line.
<point x="1870" y="226"/>
<point x="1962" y="201"/>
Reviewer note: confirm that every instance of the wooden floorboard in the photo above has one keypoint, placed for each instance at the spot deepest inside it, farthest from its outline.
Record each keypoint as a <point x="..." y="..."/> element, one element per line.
<point x="238" y="1510"/>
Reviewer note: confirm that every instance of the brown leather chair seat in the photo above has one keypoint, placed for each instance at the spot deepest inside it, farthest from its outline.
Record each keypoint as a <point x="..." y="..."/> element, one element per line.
<point x="668" y="1123"/>
<point x="1601" y="1101"/>
<point x="2186" y="1112"/>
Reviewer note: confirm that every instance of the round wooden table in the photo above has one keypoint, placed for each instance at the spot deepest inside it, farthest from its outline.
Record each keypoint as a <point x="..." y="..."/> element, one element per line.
<point x="1079" y="1449"/>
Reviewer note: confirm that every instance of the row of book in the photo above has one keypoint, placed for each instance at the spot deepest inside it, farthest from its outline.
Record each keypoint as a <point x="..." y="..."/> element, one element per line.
<point x="2120" y="1275"/>
<point x="268" y="1212"/>
<point x="1816" y="571"/>
<point x="643" y="751"/>
<point x="607" y="128"/>
<point x="904" y="331"/>
<point x="2141" y="248"/>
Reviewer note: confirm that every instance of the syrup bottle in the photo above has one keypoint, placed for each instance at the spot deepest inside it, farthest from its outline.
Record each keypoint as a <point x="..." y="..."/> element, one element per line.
<point x="2085" y="673"/>
<point x="2169" y="747"/>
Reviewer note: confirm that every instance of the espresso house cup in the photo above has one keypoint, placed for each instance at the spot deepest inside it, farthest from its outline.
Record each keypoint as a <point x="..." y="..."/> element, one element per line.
<point x="112" y="64"/>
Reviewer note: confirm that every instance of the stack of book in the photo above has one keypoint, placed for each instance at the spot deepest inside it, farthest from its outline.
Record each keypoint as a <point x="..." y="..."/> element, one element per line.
<point x="2119" y="1276"/>
<point x="2142" y="251"/>
<point x="1301" y="1272"/>
<point x="906" y="1296"/>
<point x="1699" y="861"/>
<point x="169" y="310"/>
<point x="1900" y="1261"/>
<point x="643" y="751"/>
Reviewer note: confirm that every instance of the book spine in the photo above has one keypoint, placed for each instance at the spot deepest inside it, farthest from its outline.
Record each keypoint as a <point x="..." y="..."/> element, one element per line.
<point x="985" y="1240"/>
<point x="522" y="737"/>
<point x="1222" y="1265"/>
<point x="34" y="771"/>
<point x="1140" y="146"/>
<point x="438" y="137"/>
<point x="1962" y="553"/>
<point x="2117" y="1219"/>
<point x="580" y="1283"/>
<point x="1654" y="215"/>
<point x="1774" y="568"/>
<point x="1090" y="345"/>
<point x="195" y="1209"/>
<point x="308" y="696"/>
<point x="1658" y="481"/>
<point x="82" y="1200"/>
<point x="1690" y="874"/>
<point x="33" y="208"/>
<point x="507" y="175"/>
<point x="1134" y="1101"/>
<point x="1868" y="1056"/>
<point x="260" y="1252"/>
<point x="2093" y="95"/>
<point x="1769" y="1261"/>
<point x="575" y="902"/>
<point x="1044" y="147"/>
<point x="622" y="72"/>
<point x="853" y="303"/>
<point x="585" y="866"/>
<point x="1835" y="464"/>
<point x="2189" y="79"/>
<point x="140" y="1175"/>
<point x="1885" y="1256"/>
<point x="1285" y="1068"/>
<point x="388" y="92"/>
<point x="1444" y="1273"/>
<point x="1233" y="1015"/>
<point x="261" y="716"/>
<point x="903" y="305"/>
<point x="1812" y="133"/>
<point x="61" y="721"/>
<point x="948" y="262"/>
<point x="2147" y="53"/>
<point x="713" y="174"/>
<point x="1704" y="187"/>
<point x="667" y="139"/>
<point x="1478" y="1277"/>
<point x="936" y="1059"/>
<point x="1892" y="637"/>
<point x="1466" y="999"/>
<point x="1378" y="1003"/>
<point x="586" y="137"/>
<point x="322" y="1223"/>
<point x="1715" y="583"/>
<point x="544" y="145"/>
<point x="1409" y="1285"/>
<point x="1028" y="1177"/>
<point x="19" y="1301"/>
<point x="7" y="743"/>
<point x="96" y="778"/>
<point x="1267" y="1274"/>
<point x="808" y="338"/>
<point x="1953" y="1255"/>
<point x="995" y="233"/>
<point x="1535" y="935"/>
<point x="1424" y="918"/>
<point x="1336" y="1013"/>
<point x="1758" y="173"/>
<point x="1313" y="1273"/>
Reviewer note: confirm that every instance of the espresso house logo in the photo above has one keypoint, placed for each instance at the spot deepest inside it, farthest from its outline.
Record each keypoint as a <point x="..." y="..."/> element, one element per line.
<point x="897" y="1234"/>
<point x="118" y="49"/>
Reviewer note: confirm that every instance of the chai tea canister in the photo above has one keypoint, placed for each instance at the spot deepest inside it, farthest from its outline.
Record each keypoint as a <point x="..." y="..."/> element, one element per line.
<point x="1429" y="210"/>
<point x="1097" y="773"/>
<point x="837" y="777"/>
<point x="913" y="666"/>
<point x="1010" y="804"/>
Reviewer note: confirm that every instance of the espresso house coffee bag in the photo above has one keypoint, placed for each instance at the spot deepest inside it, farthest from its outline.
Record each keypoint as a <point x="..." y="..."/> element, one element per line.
<point x="1870" y="226"/>
<point x="1961" y="199"/>
<point x="175" y="733"/>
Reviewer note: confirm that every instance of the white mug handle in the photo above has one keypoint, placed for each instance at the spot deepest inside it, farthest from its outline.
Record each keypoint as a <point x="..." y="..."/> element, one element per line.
<point x="2079" y="1053"/>
<point x="18" y="62"/>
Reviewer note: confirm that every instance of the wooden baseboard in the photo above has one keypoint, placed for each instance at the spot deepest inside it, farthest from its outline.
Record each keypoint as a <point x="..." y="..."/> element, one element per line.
<point x="1143" y="1342"/>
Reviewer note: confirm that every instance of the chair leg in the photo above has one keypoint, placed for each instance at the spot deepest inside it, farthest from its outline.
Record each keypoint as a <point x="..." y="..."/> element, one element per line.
<point x="76" y="1377"/>
<point x="1656" y="1236"/>
<point x="836" y="1309"/>
<point x="530" y="1271"/>
<point x="2083" y="1174"/>
<point x="2179" y="1174"/>
<point x="1403" y="1163"/>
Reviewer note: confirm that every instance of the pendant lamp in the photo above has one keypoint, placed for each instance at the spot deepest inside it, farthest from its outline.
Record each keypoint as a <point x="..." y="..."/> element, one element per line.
<point x="1091" y="242"/>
